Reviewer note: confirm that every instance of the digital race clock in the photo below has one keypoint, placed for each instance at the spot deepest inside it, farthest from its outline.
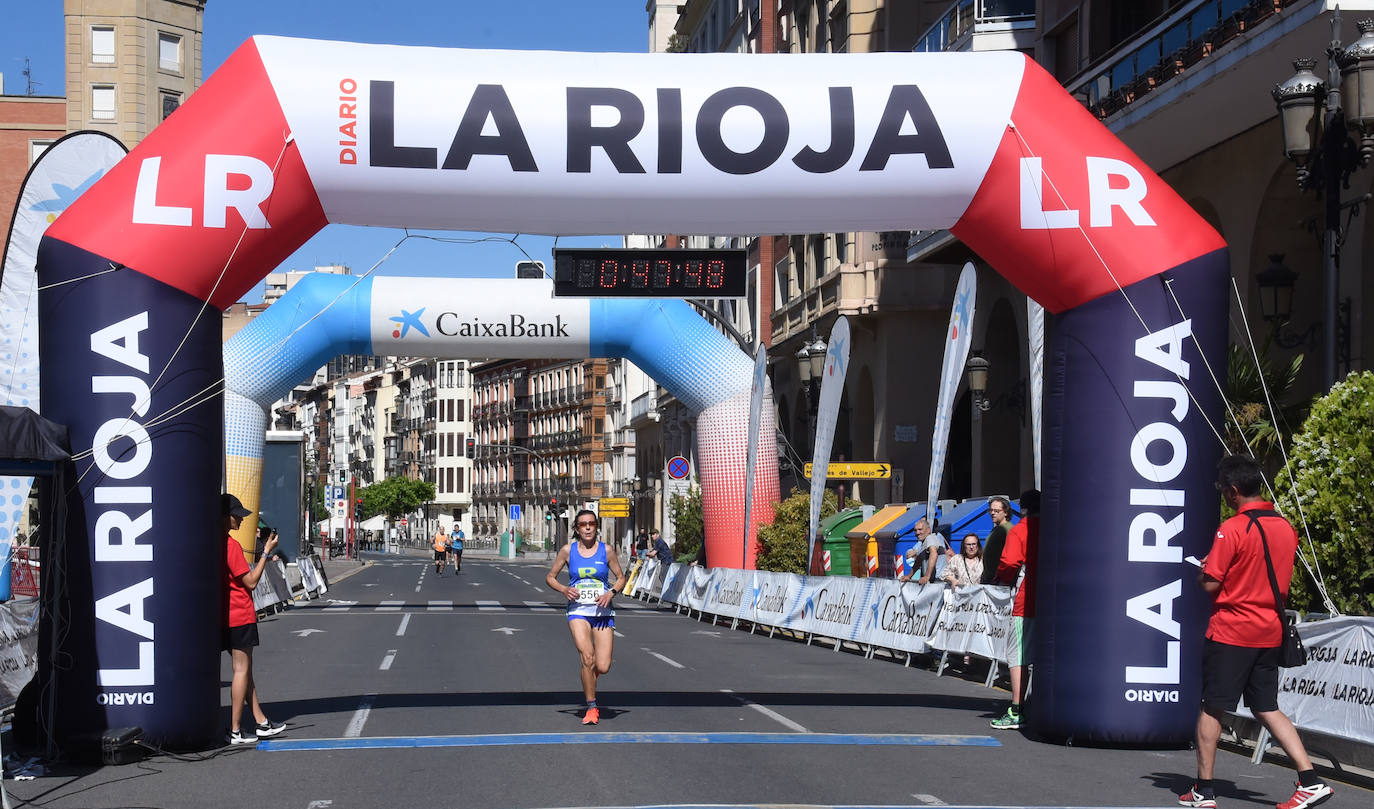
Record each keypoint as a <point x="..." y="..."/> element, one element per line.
<point x="632" y="273"/>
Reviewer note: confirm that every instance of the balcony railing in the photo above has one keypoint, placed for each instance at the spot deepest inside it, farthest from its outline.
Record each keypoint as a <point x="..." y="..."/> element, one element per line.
<point x="965" y="17"/>
<point x="1181" y="40"/>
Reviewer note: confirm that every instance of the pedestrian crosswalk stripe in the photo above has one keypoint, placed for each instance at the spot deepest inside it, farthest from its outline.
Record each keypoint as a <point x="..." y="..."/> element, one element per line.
<point x="440" y="606"/>
<point x="539" y="606"/>
<point x="490" y="606"/>
<point x="340" y="606"/>
<point x="391" y="606"/>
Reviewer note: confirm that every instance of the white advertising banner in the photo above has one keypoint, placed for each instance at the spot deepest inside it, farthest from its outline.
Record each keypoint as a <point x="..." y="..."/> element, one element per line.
<point x="727" y="591"/>
<point x="697" y="587"/>
<point x="835" y="606"/>
<point x="61" y="174"/>
<point x="531" y="136"/>
<point x="1334" y="692"/>
<point x="957" y="341"/>
<point x="476" y="317"/>
<point x="903" y="614"/>
<point x="1035" y="327"/>
<point x="756" y="392"/>
<point x="674" y="583"/>
<point x="827" y="413"/>
<point x="774" y="599"/>
<point x="311" y="580"/>
<point x="643" y="577"/>
<point x="974" y="621"/>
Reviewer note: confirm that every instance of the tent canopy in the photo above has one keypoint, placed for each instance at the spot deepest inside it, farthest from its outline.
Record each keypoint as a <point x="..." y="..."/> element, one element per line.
<point x="28" y="437"/>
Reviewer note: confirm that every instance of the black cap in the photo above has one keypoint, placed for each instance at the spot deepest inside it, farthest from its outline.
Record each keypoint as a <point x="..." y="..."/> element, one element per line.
<point x="229" y="506"/>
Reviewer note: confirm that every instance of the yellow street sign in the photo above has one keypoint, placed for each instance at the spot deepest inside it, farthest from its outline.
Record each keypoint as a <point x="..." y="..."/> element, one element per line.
<point x="615" y="501"/>
<point x="854" y="471"/>
<point x="615" y="512"/>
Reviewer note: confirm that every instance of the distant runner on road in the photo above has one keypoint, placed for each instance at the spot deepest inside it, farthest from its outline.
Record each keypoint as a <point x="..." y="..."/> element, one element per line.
<point x="440" y="551"/>
<point x="589" y="592"/>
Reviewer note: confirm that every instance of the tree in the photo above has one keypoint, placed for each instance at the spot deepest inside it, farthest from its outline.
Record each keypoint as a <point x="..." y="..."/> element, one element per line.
<point x="1246" y="381"/>
<point x="396" y="496"/>
<point x="782" y="545"/>
<point x="677" y="43"/>
<point x="1331" y="465"/>
<point x="320" y="507"/>
<point x="689" y="527"/>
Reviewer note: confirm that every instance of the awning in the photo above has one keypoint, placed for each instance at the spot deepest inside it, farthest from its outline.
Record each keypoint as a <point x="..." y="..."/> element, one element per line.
<point x="376" y="523"/>
<point x="868" y="527"/>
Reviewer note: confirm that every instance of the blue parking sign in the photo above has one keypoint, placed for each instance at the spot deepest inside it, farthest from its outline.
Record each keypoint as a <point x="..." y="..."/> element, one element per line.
<point x="514" y="512"/>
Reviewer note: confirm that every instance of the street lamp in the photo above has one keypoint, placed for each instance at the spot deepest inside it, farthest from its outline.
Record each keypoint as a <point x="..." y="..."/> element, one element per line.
<point x="1326" y="156"/>
<point x="977" y="369"/>
<point x="810" y="366"/>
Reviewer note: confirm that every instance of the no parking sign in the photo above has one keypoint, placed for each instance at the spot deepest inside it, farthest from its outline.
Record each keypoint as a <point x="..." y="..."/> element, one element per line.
<point x="678" y="468"/>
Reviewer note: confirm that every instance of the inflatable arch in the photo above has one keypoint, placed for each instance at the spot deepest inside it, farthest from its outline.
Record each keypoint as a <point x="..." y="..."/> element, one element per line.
<point x="289" y="135"/>
<point x="327" y="315"/>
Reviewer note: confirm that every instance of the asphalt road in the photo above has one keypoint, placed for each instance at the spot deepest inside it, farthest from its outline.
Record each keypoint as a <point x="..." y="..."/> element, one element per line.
<point x="409" y="689"/>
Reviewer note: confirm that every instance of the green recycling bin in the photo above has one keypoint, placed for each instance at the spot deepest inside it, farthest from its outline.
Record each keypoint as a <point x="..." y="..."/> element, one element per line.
<point x="833" y="530"/>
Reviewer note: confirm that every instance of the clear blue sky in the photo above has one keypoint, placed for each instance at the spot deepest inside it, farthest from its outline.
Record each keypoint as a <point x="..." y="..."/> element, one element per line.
<point x="34" y="29"/>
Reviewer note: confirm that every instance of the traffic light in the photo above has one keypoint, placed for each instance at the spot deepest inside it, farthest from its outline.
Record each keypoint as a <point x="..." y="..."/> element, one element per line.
<point x="343" y="476"/>
<point x="552" y="508"/>
<point x="358" y="509"/>
<point x="472" y="448"/>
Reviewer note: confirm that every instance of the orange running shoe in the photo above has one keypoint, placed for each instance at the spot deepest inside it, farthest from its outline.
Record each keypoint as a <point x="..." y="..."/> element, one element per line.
<point x="592" y="716"/>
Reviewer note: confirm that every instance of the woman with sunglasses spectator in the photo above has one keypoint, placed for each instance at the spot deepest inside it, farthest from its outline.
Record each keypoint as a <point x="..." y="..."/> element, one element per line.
<point x="589" y="592"/>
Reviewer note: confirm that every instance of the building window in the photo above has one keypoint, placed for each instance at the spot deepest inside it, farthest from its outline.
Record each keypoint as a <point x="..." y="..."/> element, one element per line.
<point x="102" y="102"/>
<point x="169" y="52"/>
<point x="102" y="45"/>
<point x="170" y="102"/>
<point x="37" y="148"/>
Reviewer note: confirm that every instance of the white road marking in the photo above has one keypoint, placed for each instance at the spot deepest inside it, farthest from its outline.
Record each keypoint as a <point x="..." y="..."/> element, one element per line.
<point x="667" y="660"/>
<point x="319" y="804"/>
<point x="539" y="606"/>
<point x="417" y="588"/>
<point x="390" y="606"/>
<point x="355" y="725"/>
<point x="618" y="633"/>
<point x="490" y="606"/>
<point x="507" y="630"/>
<point x="405" y="621"/>
<point x="440" y="606"/>
<point x="388" y="660"/>
<point x="768" y="712"/>
<point x="301" y="633"/>
<point x="704" y="632"/>
<point x="928" y="800"/>
<point x="339" y="606"/>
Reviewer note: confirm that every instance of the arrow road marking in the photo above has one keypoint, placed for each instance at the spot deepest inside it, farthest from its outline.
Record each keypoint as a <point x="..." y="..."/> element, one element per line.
<point x="706" y="632"/>
<point x="300" y="633"/>
<point x="508" y="630"/>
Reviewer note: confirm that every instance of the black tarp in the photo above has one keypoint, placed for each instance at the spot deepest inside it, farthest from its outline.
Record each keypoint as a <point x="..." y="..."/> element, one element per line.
<point x="32" y="445"/>
<point x="27" y="436"/>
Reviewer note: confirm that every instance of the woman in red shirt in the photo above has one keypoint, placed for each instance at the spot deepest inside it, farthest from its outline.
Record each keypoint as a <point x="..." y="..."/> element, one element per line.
<point x="241" y="626"/>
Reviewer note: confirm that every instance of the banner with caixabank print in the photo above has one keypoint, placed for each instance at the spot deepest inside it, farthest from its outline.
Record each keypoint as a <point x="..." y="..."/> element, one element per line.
<point x="903" y="614"/>
<point x="974" y="620"/>
<point x="332" y="132"/>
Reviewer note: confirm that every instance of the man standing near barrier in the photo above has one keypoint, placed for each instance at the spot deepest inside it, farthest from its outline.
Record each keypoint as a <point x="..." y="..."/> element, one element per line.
<point x="1000" y="510"/>
<point x="1021" y="550"/>
<point x="241" y="625"/>
<point x="1241" y="651"/>
<point x="659" y="548"/>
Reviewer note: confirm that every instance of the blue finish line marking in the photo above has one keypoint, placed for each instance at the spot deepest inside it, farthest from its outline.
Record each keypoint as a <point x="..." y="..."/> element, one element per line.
<point x="522" y="739"/>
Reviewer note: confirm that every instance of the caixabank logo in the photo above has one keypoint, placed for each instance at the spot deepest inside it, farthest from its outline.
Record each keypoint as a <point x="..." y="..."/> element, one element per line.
<point x="406" y="321"/>
<point x="513" y="325"/>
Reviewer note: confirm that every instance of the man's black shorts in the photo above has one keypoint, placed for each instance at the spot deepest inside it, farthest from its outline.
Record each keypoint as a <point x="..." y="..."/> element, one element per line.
<point x="440" y="556"/>
<point x="1228" y="672"/>
<point x="240" y="637"/>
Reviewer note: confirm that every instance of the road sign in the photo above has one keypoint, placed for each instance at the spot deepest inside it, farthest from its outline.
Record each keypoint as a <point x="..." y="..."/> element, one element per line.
<point x="678" y="468"/>
<point x="615" y="512"/>
<point x="515" y="512"/>
<point x="403" y="522"/>
<point x="614" y="501"/>
<point x="854" y="471"/>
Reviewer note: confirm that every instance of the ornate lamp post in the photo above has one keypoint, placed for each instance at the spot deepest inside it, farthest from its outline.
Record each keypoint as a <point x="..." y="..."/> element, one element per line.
<point x="1326" y="156"/>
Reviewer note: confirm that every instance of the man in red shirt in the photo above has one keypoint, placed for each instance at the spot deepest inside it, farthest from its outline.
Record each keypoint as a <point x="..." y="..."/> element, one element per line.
<point x="1021" y="550"/>
<point x="1240" y="653"/>
<point x="241" y="625"/>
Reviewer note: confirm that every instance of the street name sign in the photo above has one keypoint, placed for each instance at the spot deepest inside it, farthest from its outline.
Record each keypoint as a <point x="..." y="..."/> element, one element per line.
<point x="854" y="471"/>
